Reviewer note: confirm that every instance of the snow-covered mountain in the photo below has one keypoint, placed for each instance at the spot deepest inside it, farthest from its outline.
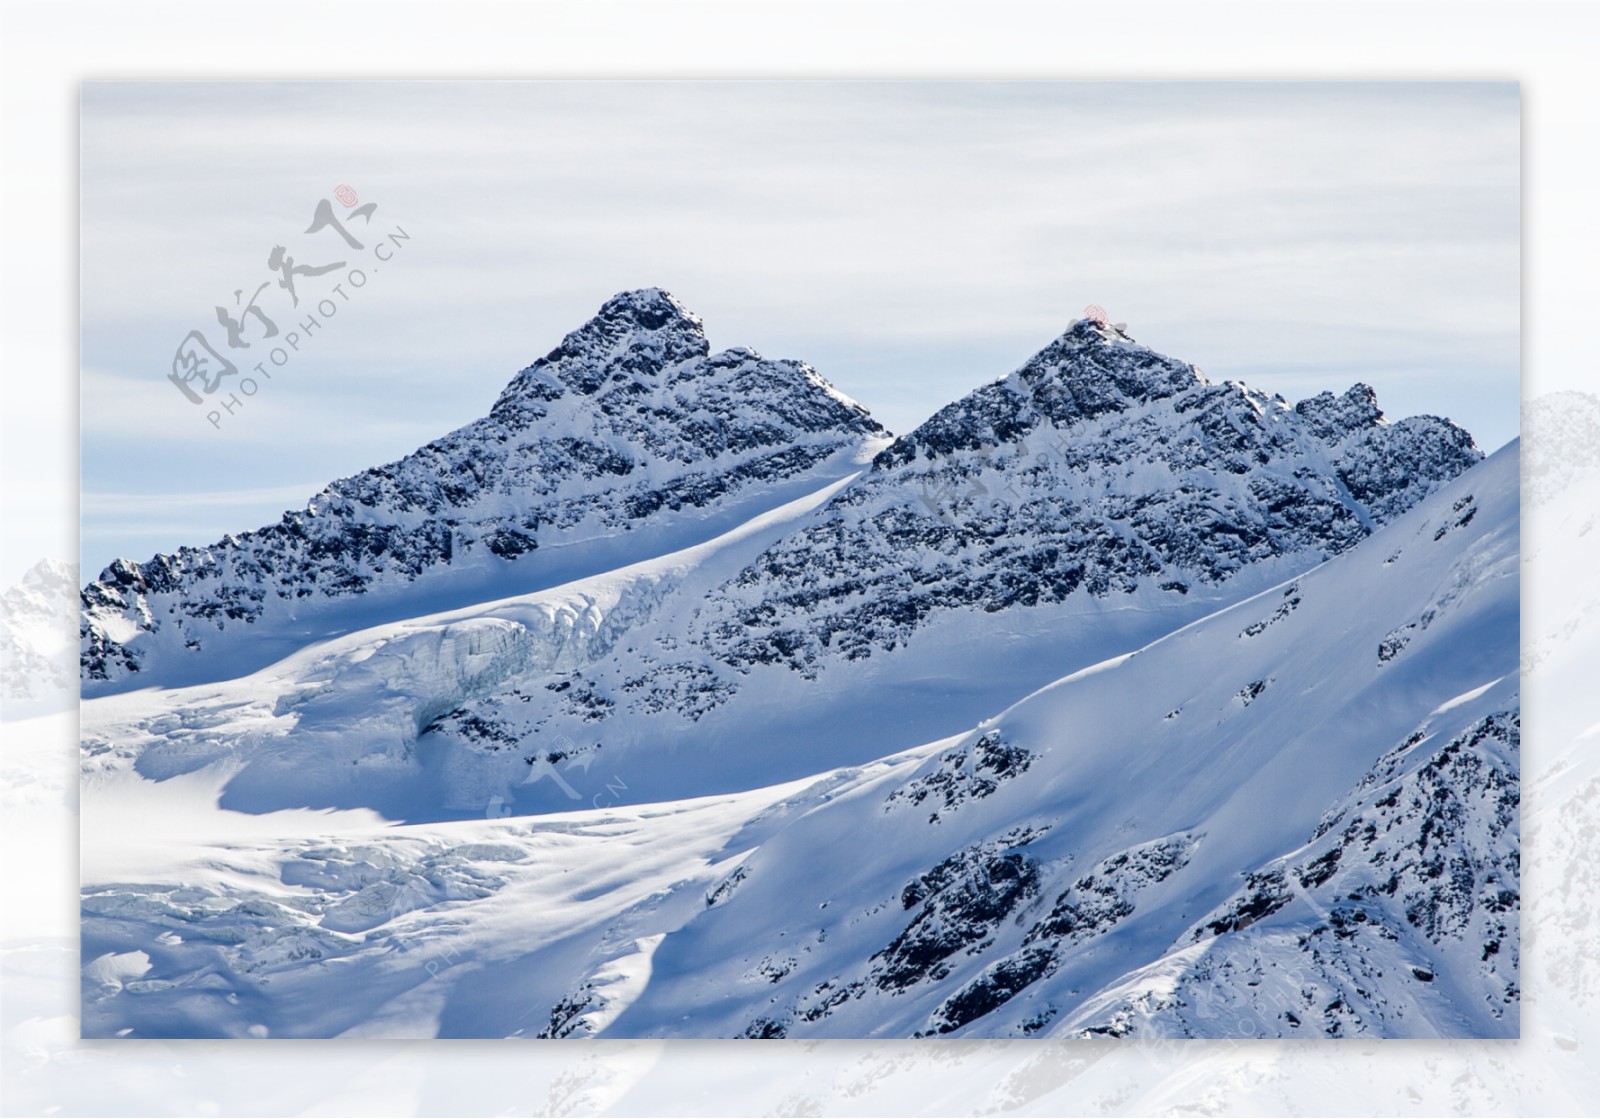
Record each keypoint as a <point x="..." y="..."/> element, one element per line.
<point x="1292" y="818"/>
<point x="1158" y="708"/>
<point x="37" y="617"/>
<point x="628" y="439"/>
<point x="1093" y="500"/>
<point x="1099" y="467"/>
<point x="1096" y="498"/>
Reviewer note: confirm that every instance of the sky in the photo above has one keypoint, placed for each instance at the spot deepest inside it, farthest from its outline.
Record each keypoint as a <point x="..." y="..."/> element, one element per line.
<point x="912" y="241"/>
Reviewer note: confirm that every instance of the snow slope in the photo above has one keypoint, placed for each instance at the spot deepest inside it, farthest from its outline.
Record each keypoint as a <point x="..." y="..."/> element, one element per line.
<point x="1141" y="848"/>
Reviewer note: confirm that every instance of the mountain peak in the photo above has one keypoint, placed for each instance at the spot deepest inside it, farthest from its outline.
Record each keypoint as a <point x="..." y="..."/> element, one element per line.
<point x="636" y="329"/>
<point x="633" y="336"/>
<point x="1091" y="331"/>
<point x="1092" y="369"/>
<point x="1095" y="367"/>
<point x="1333" y="417"/>
<point x="647" y="309"/>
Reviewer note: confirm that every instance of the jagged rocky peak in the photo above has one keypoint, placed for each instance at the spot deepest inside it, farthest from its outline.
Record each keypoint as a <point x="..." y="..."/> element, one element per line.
<point x="648" y="321"/>
<point x="1095" y="367"/>
<point x="1092" y="369"/>
<point x="1081" y="384"/>
<point x="645" y="355"/>
<point x="634" y="334"/>
<point x="1332" y="417"/>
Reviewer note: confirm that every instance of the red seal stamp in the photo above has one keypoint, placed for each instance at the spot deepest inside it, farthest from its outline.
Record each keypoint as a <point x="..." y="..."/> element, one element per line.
<point x="347" y="195"/>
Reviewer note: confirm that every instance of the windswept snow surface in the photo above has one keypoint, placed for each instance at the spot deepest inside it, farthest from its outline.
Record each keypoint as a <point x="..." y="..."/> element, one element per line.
<point x="1292" y="815"/>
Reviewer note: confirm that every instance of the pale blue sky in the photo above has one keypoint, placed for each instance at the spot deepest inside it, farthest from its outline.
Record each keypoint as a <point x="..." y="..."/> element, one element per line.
<point x="910" y="240"/>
